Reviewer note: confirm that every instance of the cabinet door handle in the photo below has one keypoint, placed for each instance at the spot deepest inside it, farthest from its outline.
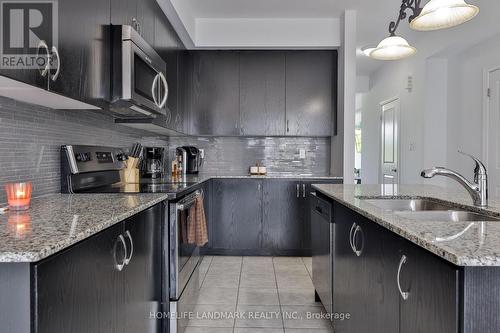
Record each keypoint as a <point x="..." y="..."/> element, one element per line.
<point x="58" y="69"/>
<point x="303" y="190"/>
<point x="287" y="126"/>
<point x="129" y="257"/>
<point x="121" y="240"/>
<point x="404" y="294"/>
<point x="353" y="227"/>
<point x="357" y="251"/>
<point x="43" y="45"/>
<point x="298" y="190"/>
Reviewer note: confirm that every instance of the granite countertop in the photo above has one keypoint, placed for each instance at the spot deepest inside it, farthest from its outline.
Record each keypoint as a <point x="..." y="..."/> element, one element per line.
<point x="57" y="221"/>
<point x="461" y="243"/>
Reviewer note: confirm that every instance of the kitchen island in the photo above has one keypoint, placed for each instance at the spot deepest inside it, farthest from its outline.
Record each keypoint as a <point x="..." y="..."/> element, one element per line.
<point x="400" y="271"/>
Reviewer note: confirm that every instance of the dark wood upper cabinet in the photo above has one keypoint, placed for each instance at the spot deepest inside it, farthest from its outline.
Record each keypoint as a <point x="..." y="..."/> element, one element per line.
<point x="262" y="93"/>
<point x="123" y="12"/>
<point x="84" y="52"/>
<point x="214" y="93"/>
<point x="310" y="85"/>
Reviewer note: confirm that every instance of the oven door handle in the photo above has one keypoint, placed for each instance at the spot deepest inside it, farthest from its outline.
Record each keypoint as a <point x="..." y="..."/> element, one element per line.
<point x="188" y="201"/>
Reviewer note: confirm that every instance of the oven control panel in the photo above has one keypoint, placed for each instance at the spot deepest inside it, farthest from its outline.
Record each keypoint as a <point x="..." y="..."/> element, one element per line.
<point x="80" y="159"/>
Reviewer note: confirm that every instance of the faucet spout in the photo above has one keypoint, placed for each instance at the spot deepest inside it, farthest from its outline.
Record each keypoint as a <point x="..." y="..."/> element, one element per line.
<point x="478" y="189"/>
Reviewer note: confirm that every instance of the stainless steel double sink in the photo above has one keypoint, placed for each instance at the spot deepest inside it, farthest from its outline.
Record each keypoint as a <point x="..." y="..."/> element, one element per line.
<point x="422" y="209"/>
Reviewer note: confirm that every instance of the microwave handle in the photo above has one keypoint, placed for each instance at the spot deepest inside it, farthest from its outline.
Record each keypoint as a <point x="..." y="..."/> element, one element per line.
<point x="154" y="89"/>
<point x="165" y="86"/>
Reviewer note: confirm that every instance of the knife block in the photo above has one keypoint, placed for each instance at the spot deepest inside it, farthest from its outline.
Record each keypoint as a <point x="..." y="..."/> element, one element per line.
<point x="131" y="173"/>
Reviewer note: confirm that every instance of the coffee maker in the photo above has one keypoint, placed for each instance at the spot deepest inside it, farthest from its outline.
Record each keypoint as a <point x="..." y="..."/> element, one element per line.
<point x="192" y="159"/>
<point x="152" y="163"/>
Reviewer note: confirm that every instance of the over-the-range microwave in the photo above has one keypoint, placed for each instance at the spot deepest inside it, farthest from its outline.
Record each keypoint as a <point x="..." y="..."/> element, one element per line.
<point x="139" y="83"/>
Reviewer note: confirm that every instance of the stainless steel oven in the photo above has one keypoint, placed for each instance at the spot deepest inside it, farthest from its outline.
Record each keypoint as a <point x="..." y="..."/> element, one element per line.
<point x="140" y="87"/>
<point x="184" y="259"/>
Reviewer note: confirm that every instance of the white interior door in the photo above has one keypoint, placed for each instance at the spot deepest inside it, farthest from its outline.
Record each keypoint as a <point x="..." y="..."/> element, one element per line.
<point x="390" y="143"/>
<point x="493" y="144"/>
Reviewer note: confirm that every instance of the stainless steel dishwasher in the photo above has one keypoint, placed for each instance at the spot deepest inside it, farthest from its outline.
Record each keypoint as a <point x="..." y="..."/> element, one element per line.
<point x="322" y="250"/>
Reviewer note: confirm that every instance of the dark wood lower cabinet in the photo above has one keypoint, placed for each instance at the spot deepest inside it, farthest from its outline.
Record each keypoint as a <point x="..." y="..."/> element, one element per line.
<point x="236" y="215"/>
<point x="261" y="216"/>
<point x="81" y="289"/>
<point x="432" y="284"/>
<point x="370" y="278"/>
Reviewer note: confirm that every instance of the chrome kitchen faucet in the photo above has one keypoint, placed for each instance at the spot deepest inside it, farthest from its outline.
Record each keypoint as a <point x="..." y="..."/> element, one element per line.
<point x="478" y="189"/>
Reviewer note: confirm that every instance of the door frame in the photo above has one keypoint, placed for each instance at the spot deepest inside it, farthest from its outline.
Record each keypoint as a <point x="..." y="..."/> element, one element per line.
<point x="486" y="112"/>
<point x="381" y="139"/>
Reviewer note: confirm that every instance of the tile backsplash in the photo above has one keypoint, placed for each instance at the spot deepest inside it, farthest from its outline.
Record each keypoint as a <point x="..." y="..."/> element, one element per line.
<point x="234" y="155"/>
<point x="31" y="136"/>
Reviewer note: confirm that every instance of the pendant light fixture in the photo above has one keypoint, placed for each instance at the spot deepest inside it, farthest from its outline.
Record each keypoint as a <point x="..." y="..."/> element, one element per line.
<point x="393" y="48"/>
<point x="436" y="14"/>
<point x="442" y="14"/>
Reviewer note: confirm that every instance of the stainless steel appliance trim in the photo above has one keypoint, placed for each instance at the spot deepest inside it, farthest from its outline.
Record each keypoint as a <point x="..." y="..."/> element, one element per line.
<point x="179" y="278"/>
<point x="154" y="89"/>
<point x="70" y="155"/>
<point x="165" y="87"/>
<point x="188" y="201"/>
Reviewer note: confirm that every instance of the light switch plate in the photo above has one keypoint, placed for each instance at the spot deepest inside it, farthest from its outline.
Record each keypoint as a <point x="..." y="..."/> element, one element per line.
<point x="302" y="153"/>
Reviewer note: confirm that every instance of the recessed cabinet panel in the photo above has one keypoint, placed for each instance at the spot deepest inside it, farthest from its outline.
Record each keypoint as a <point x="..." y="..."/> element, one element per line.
<point x="262" y="93"/>
<point x="432" y="284"/>
<point x="283" y="217"/>
<point x="80" y="290"/>
<point x="310" y="85"/>
<point x="215" y="93"/>
<point x="142" y="276"/>
<point x="237" y="214"/>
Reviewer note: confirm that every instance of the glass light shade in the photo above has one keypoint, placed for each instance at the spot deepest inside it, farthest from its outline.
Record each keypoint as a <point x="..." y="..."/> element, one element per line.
<point x="367" y="50"/>
<point x="442" y="14"/>
<point x="393" y="48"/>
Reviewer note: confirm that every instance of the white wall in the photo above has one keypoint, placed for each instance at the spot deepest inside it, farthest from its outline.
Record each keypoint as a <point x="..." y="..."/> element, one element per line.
<point x="267" y="33"/>
<point x="443" y="113"/>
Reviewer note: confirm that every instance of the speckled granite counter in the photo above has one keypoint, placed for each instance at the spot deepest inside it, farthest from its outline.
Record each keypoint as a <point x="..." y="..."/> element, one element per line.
<point x="55" y="222"/>
<point x="58" y="221"/>
<point x="461" y="243"/>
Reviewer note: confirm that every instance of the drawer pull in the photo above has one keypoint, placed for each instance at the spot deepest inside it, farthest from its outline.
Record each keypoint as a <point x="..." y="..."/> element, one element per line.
<point x="404" y="294"/>
<point x="353" y="227"/>
<point x="119" y="266"/>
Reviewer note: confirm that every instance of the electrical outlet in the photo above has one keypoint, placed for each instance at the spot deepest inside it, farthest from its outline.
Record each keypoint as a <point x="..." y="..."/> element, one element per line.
<point x="411" y="147"/>
<point x="302" y="153"/>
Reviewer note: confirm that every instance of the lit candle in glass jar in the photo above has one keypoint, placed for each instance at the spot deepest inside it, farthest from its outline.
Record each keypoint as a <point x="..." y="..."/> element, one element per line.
<point x="19" y="195"/>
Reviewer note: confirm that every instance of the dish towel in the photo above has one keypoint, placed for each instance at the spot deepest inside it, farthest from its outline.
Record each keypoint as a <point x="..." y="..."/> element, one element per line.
<point x="197" y="224"/>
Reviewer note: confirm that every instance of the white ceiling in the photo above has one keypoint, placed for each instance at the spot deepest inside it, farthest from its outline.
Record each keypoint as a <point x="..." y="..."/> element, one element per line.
<point x="373" y="17"/>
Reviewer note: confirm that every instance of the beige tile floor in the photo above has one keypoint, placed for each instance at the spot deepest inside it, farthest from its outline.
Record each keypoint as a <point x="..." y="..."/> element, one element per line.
<point x="273" y="294"/>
